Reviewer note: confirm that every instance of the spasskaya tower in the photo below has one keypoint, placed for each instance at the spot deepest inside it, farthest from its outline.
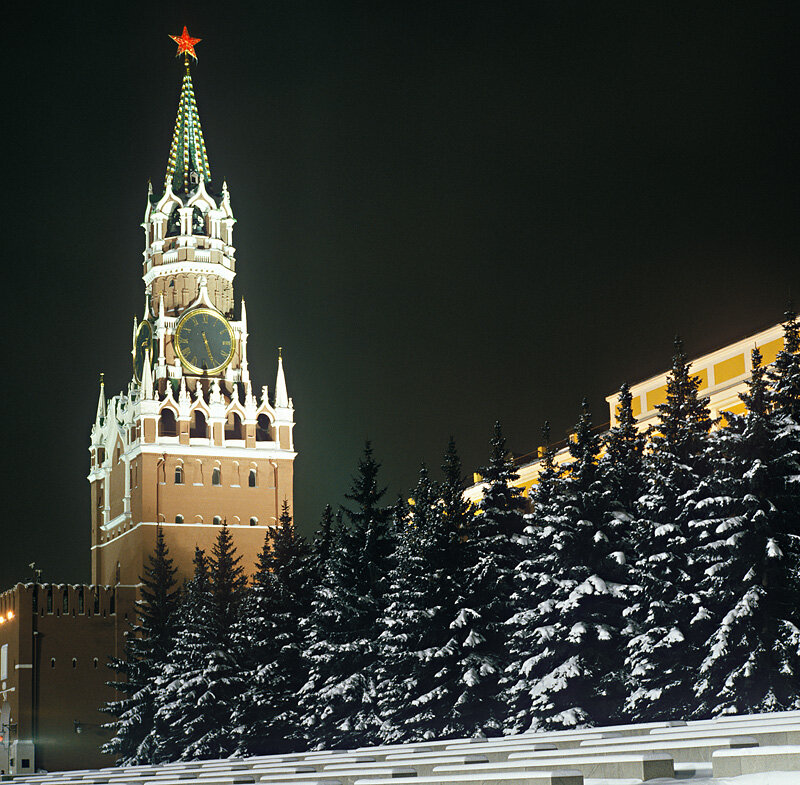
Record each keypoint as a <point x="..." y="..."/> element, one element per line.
<point x="190" y="443"/>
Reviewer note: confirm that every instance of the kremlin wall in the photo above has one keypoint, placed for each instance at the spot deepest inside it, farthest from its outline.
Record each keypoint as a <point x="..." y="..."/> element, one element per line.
<point x="55" y="644"/>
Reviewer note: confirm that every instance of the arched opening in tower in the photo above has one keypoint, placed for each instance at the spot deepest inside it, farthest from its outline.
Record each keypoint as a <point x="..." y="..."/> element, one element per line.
<point x="167" y="426"/>
<point x="233" y="426"/>
<point x="263" y="425"/>
<point x="198" y="429"/>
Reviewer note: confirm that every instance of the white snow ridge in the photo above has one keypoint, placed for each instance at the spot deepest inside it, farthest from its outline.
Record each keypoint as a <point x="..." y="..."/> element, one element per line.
<point x="758" y="749"/>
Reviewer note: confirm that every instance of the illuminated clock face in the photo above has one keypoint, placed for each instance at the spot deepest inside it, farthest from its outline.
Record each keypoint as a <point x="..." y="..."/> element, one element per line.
<point x="204" y="341"/>
<point x="142" y="344"/>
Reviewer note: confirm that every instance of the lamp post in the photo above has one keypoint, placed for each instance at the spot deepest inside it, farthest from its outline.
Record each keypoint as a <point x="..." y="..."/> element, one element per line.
<point x="6" y="730"/>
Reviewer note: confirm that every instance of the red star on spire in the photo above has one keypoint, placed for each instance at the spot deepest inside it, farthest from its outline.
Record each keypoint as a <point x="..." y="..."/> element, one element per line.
<point x="185" y="43"/>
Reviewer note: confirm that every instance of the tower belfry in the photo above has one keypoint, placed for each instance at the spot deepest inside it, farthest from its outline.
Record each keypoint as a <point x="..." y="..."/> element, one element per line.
<point x="189" y="444"/>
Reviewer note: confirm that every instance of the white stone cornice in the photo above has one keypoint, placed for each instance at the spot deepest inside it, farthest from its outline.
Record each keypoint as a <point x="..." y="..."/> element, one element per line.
<point x="262" y="450"/>
<point x="125" y="516"/>
<point x="182" y="526"/>
<point x="178" y="268"/>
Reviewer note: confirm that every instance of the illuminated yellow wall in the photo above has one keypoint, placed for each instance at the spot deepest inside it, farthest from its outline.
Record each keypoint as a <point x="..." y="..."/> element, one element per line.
<point x="723" y="374"/>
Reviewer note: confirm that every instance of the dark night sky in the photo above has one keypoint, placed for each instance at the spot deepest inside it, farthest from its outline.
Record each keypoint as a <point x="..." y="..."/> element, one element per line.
<point x="447" y="213"/>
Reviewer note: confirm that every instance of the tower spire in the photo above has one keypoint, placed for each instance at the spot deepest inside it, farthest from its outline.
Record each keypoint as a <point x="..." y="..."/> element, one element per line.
<point x="101" y="401"/>
<point x="147" y="377"/>
<point x="188" y="160"/>
<point x="281" y="393"/>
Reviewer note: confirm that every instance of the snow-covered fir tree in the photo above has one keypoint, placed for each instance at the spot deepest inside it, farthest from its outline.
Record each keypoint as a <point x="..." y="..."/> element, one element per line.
<point x="148" y="644"/>
<point x="530" y="602"/>
<point x="784" y="373"/>
<point x="668" y="619"/>
<point x="185" y="661"/>
<point x="291" y="563"/>
<point x="419" y="651"/>
<point x="339" y="700"/>
<point x="621" y="472"/>
<point x="621" y="465"/>
<point x="268" y="640"/>
<point x="197" y="691"/>
<point x="451" y="494"/>
<point x="254" y="637"/>
<point x="576" y="590"/>
<point x="429" y="618"/>
<point x="491" y="554"/>
<point x="325" y="541"/>
<point x="752" y="577"/>
<point x="228" y="582"/>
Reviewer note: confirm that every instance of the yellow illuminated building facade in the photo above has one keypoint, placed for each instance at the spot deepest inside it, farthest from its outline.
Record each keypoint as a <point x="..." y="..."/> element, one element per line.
<point x="723" y="376"/>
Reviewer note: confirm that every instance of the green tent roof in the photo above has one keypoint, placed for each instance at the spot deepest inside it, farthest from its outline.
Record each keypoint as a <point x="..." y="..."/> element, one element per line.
<point x="187" y="153"/>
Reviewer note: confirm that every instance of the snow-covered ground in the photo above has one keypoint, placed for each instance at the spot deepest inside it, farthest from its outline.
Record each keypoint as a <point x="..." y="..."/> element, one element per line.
<point x="703" y="777"/>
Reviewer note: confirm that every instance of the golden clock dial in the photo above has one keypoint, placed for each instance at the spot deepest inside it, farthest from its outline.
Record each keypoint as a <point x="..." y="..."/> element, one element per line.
<point x="142" y="344"/>
<point x="204" y="341"/>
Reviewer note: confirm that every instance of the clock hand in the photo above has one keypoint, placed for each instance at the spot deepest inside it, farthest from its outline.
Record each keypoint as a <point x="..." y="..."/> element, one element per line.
<point x="208" y="348"/>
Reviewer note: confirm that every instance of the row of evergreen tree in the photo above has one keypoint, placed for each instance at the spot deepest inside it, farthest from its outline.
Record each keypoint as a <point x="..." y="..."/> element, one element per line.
<point x="656" y="576"/>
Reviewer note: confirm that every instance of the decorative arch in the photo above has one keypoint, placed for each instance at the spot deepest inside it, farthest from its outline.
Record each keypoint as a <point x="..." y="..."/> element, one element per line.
<point x="198" y="472"/>
<point x="201" y="199"/>
<point x="168" y="202"/>
<point x="199" y="401"/>
<point x="199" y="415"/>
<point x="169" y="401"/>
<point x="180" y="474"/>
